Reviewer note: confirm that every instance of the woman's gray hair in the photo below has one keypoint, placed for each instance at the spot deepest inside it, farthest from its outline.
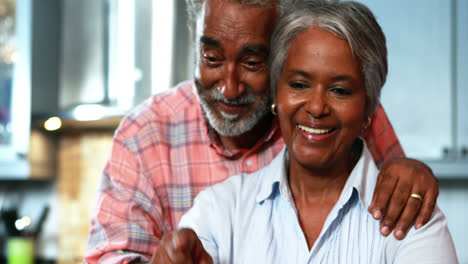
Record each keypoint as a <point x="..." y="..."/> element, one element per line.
<point x="348" y="20"/>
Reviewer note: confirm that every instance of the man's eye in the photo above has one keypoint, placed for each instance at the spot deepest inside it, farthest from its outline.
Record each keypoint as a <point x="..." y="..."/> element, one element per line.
<point x="211" y="60"/>
<point x="297" y="85"/>
<point x="253" y="64"/>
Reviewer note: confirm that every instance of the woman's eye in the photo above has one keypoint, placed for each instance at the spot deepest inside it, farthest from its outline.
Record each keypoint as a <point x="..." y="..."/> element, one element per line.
<point x="340" y="91"/>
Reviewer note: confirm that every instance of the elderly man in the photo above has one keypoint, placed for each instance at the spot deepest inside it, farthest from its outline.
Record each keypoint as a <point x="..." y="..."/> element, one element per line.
<point x="176" y="144"/>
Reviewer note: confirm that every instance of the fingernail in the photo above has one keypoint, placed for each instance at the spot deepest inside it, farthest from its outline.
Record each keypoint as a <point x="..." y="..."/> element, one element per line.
<point x="385" y="230"/>
<point x="377" y="214"/>
<point x="418" y="225"/>
<point x="176" y="241"/>
<point x="399" y="233"/>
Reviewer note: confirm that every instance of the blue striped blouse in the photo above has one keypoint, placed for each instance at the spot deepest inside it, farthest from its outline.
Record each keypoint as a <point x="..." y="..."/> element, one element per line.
<point x="251" y="218"/>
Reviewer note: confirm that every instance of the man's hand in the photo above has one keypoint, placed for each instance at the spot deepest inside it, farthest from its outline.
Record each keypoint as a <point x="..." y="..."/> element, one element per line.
<point x="397" y="181"/>
<point x="181" y="246"/>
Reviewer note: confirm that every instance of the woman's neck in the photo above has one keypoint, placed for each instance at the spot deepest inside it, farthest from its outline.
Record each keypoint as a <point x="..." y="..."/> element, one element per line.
<point x="316" y="191"/>
<point x="312" y="184"/>
<point x="319" y="184"/>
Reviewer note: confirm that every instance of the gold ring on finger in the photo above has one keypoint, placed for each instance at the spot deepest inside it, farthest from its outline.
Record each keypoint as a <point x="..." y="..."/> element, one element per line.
<point x="417" y="196"/>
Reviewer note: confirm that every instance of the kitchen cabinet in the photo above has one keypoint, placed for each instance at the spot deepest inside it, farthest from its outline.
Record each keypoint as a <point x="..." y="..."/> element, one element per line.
<point x="28" y="85"/>
<point x="15" y="87"/>
<point x="426" y="93"/>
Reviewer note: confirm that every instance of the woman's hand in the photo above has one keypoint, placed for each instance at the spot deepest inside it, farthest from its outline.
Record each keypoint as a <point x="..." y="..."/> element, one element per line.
<point x="181" y="246"/>
<point x="397" y="180"/>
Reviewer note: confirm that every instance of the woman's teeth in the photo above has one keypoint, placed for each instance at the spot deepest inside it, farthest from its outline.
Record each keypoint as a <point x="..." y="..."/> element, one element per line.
<point x="315" y="131"/>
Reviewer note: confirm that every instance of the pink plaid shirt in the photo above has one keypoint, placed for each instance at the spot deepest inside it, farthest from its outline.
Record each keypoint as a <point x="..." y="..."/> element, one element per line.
<point x="163" y="155"/>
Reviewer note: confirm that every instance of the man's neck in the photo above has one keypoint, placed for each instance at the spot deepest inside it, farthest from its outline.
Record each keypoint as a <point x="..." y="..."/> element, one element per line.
<point x="248" y="139"/>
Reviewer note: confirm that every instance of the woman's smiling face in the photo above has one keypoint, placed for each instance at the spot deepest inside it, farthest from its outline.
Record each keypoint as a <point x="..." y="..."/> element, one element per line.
<point x="321" y="99"/>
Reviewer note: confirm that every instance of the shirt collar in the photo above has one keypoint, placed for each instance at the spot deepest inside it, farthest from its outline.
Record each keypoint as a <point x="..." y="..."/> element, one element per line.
<point x="363" y="178"/>
<point x="274" y="177"/>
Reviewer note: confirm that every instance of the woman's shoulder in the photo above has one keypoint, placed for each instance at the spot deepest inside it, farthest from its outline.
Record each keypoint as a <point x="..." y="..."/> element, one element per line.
<point x="234" y="188"/>
<point x="214" y="209"/>
<point x="431" y="243"/>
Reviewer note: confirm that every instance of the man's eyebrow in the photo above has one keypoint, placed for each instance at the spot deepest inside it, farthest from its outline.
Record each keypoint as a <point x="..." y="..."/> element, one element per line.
<point x="210" y="41"/>
<point x="259" y="48"/>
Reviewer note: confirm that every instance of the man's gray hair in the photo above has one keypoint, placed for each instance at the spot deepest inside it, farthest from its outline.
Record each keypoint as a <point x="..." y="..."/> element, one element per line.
<point x="194" y="8"/>
<point x="348" y="20"/>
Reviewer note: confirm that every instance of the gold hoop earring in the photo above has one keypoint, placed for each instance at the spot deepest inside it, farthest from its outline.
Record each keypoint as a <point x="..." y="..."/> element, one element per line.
<point x="273" y="109"/>
<point x="368" y="124"/>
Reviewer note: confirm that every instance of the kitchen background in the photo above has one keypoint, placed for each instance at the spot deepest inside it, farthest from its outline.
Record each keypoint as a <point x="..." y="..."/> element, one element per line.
<point x="89" y="61"/>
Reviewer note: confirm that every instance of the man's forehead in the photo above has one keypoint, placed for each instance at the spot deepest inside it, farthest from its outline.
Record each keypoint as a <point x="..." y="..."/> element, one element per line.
<point x="261" y="3"/>
<point x="225" y="8"/>
<point x="250" y="48"/>
<point x="234" y="17"/>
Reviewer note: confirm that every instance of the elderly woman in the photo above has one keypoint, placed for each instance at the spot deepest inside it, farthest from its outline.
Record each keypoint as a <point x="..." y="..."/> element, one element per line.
<point x="309" y="205"/>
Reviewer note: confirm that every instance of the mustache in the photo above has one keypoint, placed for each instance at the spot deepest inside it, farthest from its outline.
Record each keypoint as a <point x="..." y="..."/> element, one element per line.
<point x="244" y="99"/>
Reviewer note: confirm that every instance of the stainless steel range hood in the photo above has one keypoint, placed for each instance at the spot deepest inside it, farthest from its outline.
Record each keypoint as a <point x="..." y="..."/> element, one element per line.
<point x="101" y="74"/>
<point x="83" y="53"/>
<point x="83" y="60"/>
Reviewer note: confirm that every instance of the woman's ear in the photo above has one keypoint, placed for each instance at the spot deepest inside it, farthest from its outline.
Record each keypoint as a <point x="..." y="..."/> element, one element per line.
<point x="367" y="124"/>
<point x="273" y="109"/>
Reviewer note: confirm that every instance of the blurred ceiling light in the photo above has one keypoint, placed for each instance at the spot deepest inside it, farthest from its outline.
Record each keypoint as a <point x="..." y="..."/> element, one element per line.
<point x="8" y="55"/>
<point x="22" y="223"/>
<point x="53" y="123"/>
<point x="90" y="112"/>
<point x="14" y="57"/>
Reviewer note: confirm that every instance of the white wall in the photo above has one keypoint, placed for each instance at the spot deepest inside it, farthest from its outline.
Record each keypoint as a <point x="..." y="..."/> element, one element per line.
<point x="453" y="201"/>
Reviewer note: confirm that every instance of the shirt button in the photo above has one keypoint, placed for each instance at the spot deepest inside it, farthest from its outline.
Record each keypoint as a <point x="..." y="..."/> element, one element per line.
<point x="249" y="163"/>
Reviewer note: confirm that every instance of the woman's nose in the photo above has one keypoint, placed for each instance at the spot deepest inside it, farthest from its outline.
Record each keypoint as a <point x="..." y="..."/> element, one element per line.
<point x="231" y="87"/>
<point x="317" y="103"/>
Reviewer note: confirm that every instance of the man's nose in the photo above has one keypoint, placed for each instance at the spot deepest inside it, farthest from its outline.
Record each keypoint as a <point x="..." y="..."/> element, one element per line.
<point x="231" y="87"/>
<point x="317" y="103"/>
